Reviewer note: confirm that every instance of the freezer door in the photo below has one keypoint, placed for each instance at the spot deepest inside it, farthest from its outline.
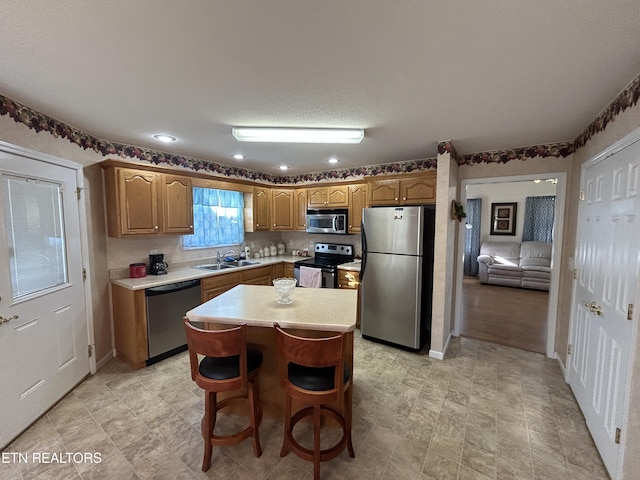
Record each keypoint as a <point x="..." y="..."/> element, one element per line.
<point x="393" y="230"/>
<point x="390" y="299"/>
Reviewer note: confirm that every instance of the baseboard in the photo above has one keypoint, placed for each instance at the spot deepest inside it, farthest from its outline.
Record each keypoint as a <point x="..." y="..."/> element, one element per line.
<point x="104" y="360"/>
<point x="440" y="355"/>
<point x="562" y="367"/>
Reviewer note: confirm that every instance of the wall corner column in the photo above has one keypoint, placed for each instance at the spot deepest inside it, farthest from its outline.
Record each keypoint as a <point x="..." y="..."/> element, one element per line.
<point x="444" y="251"/>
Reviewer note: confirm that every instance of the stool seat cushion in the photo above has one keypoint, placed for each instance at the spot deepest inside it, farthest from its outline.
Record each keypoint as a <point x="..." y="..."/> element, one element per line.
<point x="317" y="379"/>
<point x="223" y="368"/>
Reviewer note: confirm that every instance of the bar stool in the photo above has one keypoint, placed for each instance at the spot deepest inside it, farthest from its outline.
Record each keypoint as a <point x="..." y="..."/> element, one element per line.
<point x="313" y="371"/>
<point x="228" y="365"/>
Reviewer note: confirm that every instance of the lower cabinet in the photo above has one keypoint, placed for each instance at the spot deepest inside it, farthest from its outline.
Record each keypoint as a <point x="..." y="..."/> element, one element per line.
<point x="350" y="279"/>
<point x="288" y="270"/>
<point x="130" y="326"/>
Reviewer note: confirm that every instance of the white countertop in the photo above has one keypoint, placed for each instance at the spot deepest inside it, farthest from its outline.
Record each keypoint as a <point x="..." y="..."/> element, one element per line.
<point x="327" y="309"/>
<point x="351" y="266"/>
<point x="181" y="274"/>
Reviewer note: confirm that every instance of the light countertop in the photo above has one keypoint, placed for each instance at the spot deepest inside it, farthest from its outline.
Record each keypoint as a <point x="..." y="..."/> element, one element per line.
<point x="183" y="273"/>
<point x="327" y="309"/>
<point x="351" y="266"/>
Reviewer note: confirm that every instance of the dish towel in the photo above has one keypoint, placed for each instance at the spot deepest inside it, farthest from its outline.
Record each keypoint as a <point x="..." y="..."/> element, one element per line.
<point x="310" y="277"/>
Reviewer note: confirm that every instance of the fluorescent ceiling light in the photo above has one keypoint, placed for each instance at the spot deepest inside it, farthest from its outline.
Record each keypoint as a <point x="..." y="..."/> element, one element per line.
<point x="238" y="156"/>
<point x="298" y="135"/>
<point x="333" y="160"/>
<point x="283" y="167"/>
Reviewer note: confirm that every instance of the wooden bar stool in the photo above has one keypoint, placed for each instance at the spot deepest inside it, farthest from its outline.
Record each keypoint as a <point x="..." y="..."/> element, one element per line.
<point x="313" y="371"/>
<point x="228" y="365"/>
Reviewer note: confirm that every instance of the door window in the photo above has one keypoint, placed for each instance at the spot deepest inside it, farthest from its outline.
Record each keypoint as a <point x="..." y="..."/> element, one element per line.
<point x="35" y="235"/>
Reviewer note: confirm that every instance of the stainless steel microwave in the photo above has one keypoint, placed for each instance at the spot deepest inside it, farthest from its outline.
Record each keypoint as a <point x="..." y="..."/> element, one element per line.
<point x="327" y="221"/>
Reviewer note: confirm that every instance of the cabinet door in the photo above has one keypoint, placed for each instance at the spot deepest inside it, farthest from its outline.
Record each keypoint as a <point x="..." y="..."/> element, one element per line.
<point x="317" y="197"/>
<point x="338" y="196"/>
<point x="278" y="270"/>
<point x="357" y="201"/>
<point x="384" y="192"/>
<point x="288" y="270"/>
<point x="417" y="191"/>
<point x="211" y="287"/>
<point x="138" y="202"/>
<point x="300" y="209"/>
<point x="282" y="209"/>
<point x="261" y="207"/>
<point x="258" y="276"/>
<point x="177" y="204"/>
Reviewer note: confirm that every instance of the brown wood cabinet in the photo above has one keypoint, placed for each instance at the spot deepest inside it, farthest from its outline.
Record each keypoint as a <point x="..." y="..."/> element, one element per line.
<point x="357" y="201"/>
<point x="332" y="196"/>
<point x="258" y="276"/>
<point x="261" y="208"/>
<point x="288" y="270"/>
<point x="130" y="326"/>
<point x="350" y="279"/>
<point x="410" y="191"/>
<point x="278" y="270"/>
<point x="282" y="208"/>
<point x="300" y="209"/>
<point x="147" y="203"/>
<point x="211" y="287"/>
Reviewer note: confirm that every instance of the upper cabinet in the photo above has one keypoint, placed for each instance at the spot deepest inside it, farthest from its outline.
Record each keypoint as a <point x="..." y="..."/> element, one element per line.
<point x="332" y="196"/>
<point x="261" y="208"/>
<point x="357" y="202"/>
<point x="300" y="209"/>
<point x="177" y="204"/>
<point x="282" y="208"/>
<point x="147" y="203"/>
<point x="410" y="191"/>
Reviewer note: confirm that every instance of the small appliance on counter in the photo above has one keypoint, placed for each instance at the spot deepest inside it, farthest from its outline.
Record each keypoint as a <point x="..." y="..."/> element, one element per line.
<point x="156" y="264"/>
<point x="137" y="270"/>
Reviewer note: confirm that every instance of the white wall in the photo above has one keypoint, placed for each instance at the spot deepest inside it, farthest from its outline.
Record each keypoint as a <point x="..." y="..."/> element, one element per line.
<point x="507" y="192"/>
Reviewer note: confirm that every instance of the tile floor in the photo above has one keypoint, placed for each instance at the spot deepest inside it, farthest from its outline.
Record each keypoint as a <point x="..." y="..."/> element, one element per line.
<point x="485" y="412"/>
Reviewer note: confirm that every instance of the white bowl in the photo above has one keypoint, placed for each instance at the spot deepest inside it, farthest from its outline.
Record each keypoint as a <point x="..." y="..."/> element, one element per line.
<point x="284" y="289"/>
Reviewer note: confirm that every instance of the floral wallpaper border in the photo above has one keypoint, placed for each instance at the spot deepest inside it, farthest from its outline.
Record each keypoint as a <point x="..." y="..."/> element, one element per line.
<point x="42" y="123"/>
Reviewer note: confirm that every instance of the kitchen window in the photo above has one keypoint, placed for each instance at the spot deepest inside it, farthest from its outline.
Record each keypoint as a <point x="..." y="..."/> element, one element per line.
<point x="217" y="218"/>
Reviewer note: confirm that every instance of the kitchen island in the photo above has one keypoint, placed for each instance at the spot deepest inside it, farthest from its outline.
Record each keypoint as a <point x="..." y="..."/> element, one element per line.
<point x="314" y="312"/>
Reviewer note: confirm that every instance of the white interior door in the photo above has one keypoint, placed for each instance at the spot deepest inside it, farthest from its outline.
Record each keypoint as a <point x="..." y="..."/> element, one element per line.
<point x="43" y="334"/>
<point x="607" y="251"/>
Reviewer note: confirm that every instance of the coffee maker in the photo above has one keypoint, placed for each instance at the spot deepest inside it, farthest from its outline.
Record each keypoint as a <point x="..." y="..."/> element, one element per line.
<point x="156" y="265"/>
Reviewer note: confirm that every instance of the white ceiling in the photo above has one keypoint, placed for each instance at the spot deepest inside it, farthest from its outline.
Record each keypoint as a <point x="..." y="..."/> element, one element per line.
<point x="485" y="74"/>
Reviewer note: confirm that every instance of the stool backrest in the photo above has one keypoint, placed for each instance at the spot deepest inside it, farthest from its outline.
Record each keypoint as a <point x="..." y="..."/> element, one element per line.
<point x="217" y="343"/>
<point x="311" y="352"/>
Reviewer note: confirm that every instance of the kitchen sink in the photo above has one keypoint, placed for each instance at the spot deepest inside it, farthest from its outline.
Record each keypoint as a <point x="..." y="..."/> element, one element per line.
<point x="214" y="266"/>
<point x="225" y="265"/>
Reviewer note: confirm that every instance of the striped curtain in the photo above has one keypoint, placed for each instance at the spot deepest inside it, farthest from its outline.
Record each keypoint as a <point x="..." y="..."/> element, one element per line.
<point x="472" y="236"/>
<point x="217" y="218"/>
<point x="538" y="219"/>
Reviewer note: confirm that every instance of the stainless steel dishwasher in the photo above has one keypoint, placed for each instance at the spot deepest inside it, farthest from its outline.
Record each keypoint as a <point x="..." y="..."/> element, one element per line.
<point x="166" y="306"/>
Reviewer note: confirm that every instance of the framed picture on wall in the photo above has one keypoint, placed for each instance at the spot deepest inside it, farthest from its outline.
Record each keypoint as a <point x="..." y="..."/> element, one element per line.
<point x="503" y="218"/>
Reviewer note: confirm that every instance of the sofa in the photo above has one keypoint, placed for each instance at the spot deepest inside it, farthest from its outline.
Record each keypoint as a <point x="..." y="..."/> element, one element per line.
<point x="516" y="264"/>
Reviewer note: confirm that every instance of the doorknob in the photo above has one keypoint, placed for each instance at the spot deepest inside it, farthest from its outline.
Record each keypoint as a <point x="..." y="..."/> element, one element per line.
<point x="7" y="320"/>
<point x="593" y="308"/>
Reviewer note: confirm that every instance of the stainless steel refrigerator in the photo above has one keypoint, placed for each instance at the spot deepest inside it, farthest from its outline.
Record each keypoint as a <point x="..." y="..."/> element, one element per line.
<point x="396" y="278"/>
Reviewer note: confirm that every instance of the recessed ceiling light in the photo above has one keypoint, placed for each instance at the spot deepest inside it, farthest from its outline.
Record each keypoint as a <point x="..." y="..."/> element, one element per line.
<point x="283" y="167"/>
<point x="333" y="160"/>
<point x="238" y="156"/>
<point x="164" y="138"/>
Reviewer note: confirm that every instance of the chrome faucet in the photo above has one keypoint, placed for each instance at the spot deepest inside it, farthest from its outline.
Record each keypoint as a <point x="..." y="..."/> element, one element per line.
<point x="230" y="253"/>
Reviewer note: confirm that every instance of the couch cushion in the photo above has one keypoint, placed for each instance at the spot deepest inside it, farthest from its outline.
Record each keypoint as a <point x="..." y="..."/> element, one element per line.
<point x="536" y="274"/>
<point x="507" y="253"/>
<point x="505" y="270"/>
<point x="546" y="270"/>
<point x="535" y="254"/>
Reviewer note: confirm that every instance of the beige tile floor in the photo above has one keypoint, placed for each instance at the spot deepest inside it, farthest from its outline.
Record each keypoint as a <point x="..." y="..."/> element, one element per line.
<point x="485" y="412"/>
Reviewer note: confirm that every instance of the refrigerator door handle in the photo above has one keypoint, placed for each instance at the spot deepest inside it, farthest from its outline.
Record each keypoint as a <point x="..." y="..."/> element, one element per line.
<point x="364" y="252"/>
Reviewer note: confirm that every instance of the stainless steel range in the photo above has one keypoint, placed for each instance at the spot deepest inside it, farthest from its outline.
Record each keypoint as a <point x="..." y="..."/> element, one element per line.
<point x="327" y="258"/>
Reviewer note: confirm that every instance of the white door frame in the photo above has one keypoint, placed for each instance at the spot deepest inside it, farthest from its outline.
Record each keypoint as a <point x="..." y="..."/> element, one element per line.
<point x="558" y="222"/>
<point x="84" y="238"/>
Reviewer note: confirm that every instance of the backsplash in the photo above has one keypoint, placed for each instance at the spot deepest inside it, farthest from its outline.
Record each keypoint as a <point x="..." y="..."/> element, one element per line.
<point x="123" y="251"/>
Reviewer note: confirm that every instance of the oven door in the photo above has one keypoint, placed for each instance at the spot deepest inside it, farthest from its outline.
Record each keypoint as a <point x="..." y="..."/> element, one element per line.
<point x="328" y="276"/>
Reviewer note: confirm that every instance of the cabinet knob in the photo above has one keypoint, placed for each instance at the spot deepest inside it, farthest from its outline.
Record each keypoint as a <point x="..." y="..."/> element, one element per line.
<point x="274" y="224"/>
<point x="396" y="198"/>
<point x="191" y="226"/>
<point x="404" y="198"/>
<point x="156" y="227"/>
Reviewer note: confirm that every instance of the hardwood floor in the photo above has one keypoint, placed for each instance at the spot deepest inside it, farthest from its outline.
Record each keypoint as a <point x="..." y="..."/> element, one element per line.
<point x="509" y="316"/>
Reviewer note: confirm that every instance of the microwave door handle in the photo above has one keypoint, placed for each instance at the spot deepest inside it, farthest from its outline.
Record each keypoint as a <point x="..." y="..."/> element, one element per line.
<point x="335" y="223"/>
